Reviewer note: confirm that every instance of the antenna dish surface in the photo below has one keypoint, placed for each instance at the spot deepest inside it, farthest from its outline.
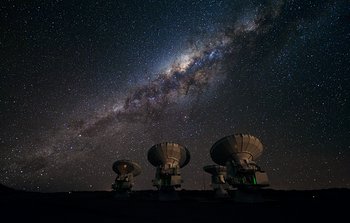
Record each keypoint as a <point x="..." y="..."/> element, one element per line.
<point x="126" y="166"/>
<point x="237" y="146"/>
<point x="168" y="153"/>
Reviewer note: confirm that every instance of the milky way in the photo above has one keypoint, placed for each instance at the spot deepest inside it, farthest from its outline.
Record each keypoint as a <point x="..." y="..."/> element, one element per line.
<point x="197" y="69"/>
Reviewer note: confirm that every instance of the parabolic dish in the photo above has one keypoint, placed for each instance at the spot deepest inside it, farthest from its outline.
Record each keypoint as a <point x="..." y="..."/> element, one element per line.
<point x="168" y="153"/>
<point x="236" y="146"/>
<point x="126" y="166"/>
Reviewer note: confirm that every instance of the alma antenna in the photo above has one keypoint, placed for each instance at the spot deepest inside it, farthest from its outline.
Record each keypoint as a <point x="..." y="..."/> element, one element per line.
<point x="218" y="179"/>
<point x="238" y="152"/>
<point x="169" y="158"/>
<point x="126" y="170"/>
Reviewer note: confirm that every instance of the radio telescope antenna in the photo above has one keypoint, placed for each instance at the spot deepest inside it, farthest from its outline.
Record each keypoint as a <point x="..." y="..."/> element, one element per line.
<point x="238" y="153"/>
<point x="169" y="158"/>
<point x="126" y="170"/>
<point x="218" y="179"/>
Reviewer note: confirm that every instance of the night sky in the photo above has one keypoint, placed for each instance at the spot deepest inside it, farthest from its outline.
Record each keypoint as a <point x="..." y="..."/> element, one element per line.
<point x="84" y="83"/>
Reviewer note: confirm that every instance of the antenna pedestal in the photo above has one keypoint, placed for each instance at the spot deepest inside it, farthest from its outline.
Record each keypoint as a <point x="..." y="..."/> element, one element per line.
<point x="123" y="183"/>
<point x="167" y="179"/>
<point x="248" y="175"/>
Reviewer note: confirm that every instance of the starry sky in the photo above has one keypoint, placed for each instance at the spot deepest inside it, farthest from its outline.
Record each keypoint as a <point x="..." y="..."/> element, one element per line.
<point x="84" y="83"/>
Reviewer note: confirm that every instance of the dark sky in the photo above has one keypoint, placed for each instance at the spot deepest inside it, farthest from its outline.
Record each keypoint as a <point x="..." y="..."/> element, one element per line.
<point x="84" y="83"/>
